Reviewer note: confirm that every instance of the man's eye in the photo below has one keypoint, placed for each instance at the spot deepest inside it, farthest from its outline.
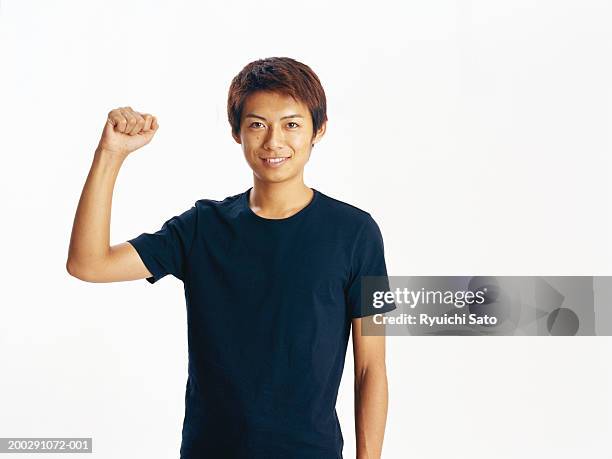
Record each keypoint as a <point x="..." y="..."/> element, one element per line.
<point x="254" y="122"/>
<point x="291" y="122"/>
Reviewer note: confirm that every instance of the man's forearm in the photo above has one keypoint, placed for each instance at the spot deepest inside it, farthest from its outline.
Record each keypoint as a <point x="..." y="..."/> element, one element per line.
<point x="90" y="239"/>
<point x="371" y="400"/>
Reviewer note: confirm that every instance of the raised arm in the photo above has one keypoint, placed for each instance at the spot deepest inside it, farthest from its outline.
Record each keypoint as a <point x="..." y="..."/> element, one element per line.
<point x="90" y="256"/>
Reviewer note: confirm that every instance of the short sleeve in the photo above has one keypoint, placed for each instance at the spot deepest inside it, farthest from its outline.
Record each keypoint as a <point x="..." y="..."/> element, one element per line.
<point x="368" y="259"/>
<point x="166" y="251"/>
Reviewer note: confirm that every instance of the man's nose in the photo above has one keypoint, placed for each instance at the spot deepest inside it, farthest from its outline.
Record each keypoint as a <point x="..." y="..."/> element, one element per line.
<point x="275" y="138"/>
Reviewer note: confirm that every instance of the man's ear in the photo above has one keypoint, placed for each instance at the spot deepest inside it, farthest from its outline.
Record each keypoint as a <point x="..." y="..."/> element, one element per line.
<point x="320" y="133"/>
<point x="236" y="138"/>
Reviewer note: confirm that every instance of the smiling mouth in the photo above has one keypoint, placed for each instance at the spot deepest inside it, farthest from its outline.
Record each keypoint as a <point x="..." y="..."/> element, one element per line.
<point x="275" y="161"/>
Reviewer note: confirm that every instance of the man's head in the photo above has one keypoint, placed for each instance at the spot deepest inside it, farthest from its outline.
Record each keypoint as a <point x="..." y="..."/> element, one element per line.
<point x="262" y="101"/>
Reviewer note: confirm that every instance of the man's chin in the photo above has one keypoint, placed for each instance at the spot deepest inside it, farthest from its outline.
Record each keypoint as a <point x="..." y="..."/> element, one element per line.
<point x="268" y="177"/>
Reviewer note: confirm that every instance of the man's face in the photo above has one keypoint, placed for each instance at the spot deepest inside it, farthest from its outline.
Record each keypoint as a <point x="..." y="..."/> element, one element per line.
<point x="275" y="126"/>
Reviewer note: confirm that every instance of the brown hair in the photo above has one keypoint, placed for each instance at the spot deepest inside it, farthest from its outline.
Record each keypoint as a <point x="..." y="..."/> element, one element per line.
<point x="278" y="74"/>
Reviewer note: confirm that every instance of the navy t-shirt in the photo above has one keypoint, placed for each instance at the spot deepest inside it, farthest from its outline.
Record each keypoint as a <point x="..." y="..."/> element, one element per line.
<point x="269" y="309"/>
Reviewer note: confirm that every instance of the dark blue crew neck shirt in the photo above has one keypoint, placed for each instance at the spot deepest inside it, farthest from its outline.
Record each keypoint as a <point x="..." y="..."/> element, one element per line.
<point x="269" y="309"/>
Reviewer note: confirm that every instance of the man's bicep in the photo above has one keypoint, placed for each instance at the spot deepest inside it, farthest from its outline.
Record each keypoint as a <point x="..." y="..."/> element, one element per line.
<point x="122" y="263"/>
<point x="125" y="263"/>
<point x="368" y="350"/>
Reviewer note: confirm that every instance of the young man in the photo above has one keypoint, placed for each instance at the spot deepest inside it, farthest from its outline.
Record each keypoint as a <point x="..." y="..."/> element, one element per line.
<point x="272" y="280"/>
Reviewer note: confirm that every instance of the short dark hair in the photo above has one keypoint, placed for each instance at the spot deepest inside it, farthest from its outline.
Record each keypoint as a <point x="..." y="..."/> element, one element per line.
<point x="278" y="74"/>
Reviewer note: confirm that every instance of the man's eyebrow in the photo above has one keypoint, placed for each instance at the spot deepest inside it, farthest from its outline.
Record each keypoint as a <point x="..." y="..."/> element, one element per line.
<point x="253" y="115"/>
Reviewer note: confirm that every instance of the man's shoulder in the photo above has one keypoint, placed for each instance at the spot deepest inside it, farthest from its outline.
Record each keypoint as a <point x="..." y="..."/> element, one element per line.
<point x="342" y="210"/>
<point x="218" y="204"/>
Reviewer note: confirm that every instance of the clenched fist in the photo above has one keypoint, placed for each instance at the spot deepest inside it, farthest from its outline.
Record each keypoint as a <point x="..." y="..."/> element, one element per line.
<point x="127" y="130"/>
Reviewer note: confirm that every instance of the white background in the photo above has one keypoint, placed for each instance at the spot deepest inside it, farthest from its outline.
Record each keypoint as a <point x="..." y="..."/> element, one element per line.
<point x="477" y="134"/>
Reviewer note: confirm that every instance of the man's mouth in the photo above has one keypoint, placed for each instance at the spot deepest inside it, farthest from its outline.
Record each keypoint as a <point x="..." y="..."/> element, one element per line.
<point x="275" y="161"/>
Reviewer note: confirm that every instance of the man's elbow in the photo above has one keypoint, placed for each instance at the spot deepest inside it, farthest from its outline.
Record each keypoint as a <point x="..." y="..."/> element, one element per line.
<point x="77" y="270"/>
<point x="376" y="370"/>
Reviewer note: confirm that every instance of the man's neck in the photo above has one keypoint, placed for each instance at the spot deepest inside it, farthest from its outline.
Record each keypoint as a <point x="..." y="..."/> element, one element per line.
<point x="279" y="200"/>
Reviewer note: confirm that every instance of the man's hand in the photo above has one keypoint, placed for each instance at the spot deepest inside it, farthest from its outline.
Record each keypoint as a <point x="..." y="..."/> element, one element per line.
<point x="127" y="130"/>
